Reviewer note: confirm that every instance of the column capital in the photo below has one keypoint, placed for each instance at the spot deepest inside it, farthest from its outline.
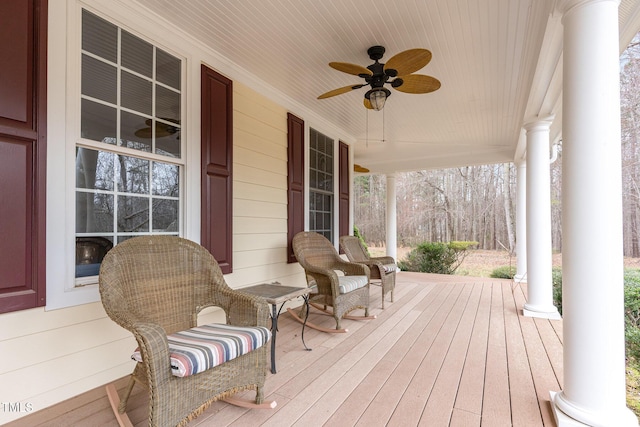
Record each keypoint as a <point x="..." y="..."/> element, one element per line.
<point x="565" y="6"/>
<point x="539" y="124"/>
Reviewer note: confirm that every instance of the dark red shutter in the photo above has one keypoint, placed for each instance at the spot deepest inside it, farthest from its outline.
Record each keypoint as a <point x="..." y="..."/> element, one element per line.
<point x="217" y="162"/>
<point x="295" y="181"/>
<point x="23" y="59"/>
<point x="345" y="178"/>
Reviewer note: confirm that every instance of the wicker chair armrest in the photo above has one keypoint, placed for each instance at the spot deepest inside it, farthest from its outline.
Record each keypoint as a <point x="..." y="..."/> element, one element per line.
<point x="325" y="279"/>
<point x="243" y="309"/>
<point x="353" y="268"/>
<point x="154" y="348"/>
<point x="383" y="260"/>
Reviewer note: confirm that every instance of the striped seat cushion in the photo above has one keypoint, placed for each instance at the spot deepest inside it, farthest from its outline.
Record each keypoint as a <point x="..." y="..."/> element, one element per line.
<point x="351" y="283"/>
<point x="198" y="349"/>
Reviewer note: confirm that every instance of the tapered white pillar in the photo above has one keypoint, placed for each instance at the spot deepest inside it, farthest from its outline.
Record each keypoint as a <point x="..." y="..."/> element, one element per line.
<point x="592" y="262"/>
<point x="392" y="224"/>
<point x="521" y="222"/>
<point x="539" y="283"/>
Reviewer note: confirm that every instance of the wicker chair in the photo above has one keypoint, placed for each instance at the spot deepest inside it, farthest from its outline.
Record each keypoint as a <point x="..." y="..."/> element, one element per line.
<point x="154" y="286"/>
<point x="321" y="263"/>
<point x="383" y="269"/>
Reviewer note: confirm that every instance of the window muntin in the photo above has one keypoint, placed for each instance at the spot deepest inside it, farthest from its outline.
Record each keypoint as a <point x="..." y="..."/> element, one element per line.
<point x="129" y="156"/>
<point x="321" y="184"/>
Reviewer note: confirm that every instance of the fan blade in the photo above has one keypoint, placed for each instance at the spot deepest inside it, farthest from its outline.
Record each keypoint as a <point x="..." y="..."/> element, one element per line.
<point x="418" y="83"/>
<point x="354" y="69"/>
<point x="409" y="61"/>
<point x="339" y="91"/>
<point x="367" y="104"/>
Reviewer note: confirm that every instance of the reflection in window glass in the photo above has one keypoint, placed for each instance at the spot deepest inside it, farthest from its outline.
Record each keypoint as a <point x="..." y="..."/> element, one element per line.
<point x="321" y="184"/>
<point x="99" y="79"/>
<point x="167" y="104"/>
<point x="133" y="214"/>
<point x="166" y="179"/>
<point x="167" y="140"/>
<point x="98" y="122"/>
<point x="94" y="169"/>
<point x="136" y="93"/>
<point x="131" y="94"/>
<point x="99" y="37"/>
<point x="168" y="69"/>
<point x="135" y="131"/>
<point x="132" y="175"/>
<point x="94" y="212"/>
<point x="150" y="104"/>
<point x="137" y="54"/>
<point x="165" y="215"/>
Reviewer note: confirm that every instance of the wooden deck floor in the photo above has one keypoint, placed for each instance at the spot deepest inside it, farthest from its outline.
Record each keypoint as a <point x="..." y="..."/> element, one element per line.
<point x="450" y="351"/>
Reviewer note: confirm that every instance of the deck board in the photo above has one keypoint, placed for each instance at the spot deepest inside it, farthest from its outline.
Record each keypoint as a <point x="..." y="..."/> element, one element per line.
<point x="496" y="405"/>
<point x="471" y="387"/>
<point x="450" y="351"/>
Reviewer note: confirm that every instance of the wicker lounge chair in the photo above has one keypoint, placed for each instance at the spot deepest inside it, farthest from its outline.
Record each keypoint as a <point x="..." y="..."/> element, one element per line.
<point x="155" y="286"/>
<point x="383" y="269"/>
<point x="341" y="285"/>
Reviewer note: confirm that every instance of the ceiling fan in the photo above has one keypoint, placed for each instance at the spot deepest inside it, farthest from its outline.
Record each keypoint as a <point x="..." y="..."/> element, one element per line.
<point x="162" y="129"/>
<point x="397" y="72"/>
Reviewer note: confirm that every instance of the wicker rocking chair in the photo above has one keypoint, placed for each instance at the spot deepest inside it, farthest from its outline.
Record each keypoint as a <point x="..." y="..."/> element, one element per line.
<point x="383" y="269"/>
<point x="336" y="283"/>
<point x="154" y="286"/>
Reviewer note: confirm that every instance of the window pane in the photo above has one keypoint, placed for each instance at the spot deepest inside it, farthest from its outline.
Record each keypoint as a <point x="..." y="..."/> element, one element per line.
<point x="321" y="184"/>
<point x="94" y="212"/>
<point x="120" y="196"/>
<point x="89" y="253"/>
<point x="99" y="79"/>
<point x="167" y="69"/>
<point x="137" y="54"/>
<point x="135" y="131"/>
<point x="99" y="37"/>
<point x="167" y="105"/>
<point x="313" y="179"/>
<point x="98" y="122"/>
<point x="133" y="214"/>
<point x="94" y="169"/>
<point x="136" y="93"/>
<point x="132" y="175"/>
<point x="326" y="219"/>
<point x="167" y="140"/>
<point x="165" y="215"/>
<point x="166" y="180"/>
<point x="312" y="159"/>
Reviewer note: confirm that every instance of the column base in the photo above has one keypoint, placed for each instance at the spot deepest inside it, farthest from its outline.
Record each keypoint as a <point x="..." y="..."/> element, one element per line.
<point x="520" y="278"/>
<point x="543" y="312"/>
<point x="624" y="419"/>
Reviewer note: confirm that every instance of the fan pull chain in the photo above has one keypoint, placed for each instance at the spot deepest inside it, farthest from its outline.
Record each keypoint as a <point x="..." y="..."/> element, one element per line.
<point x="383" y="126"/>
<point x="367" y="126"/>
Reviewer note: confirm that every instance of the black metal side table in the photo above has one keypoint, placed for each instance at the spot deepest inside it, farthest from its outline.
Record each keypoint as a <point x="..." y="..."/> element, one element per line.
<point x="274" y="294"/>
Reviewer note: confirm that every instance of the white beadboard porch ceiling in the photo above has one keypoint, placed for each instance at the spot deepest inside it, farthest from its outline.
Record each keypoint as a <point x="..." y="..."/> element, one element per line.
<point x="499" y="62"/>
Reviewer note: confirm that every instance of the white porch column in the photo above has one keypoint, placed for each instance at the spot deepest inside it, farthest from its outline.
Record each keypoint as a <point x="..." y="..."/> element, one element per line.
<point x="538" y="223"/>
<point x="521" y="221"/>
<point x="392" y="225"/>
<point x="592" y="262"/>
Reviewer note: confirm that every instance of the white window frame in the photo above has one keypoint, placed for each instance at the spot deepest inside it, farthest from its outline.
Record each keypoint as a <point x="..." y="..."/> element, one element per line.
<point x="63" y="135"/>
<point x="307" y="182"/>
<point x="119" y="150"/>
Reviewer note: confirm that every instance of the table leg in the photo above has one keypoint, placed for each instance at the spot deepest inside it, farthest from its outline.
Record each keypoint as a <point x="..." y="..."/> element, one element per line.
<point x="274" y="329"/>
<point x="306" y="303"/>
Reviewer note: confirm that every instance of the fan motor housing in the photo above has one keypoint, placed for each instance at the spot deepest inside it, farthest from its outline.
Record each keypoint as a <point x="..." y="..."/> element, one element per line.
<point x="376" y="52"/>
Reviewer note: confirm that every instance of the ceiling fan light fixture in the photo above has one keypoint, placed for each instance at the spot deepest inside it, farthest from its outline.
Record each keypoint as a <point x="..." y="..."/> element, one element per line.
<point x="378" y="97"/>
